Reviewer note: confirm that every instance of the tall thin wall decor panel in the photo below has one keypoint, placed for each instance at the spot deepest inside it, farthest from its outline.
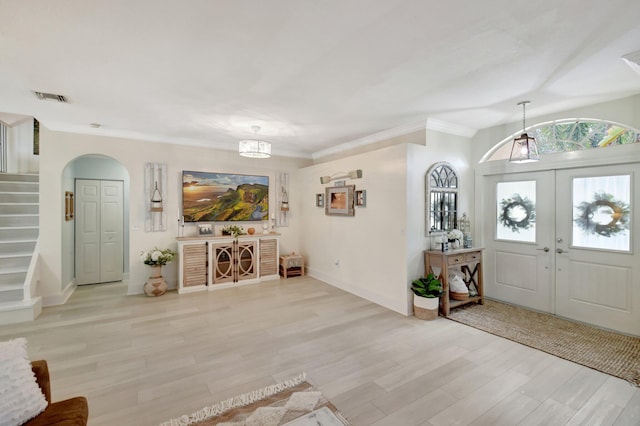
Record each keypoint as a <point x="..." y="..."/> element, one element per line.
<point x="282" y="194"/>
<point x="155" y="188"/>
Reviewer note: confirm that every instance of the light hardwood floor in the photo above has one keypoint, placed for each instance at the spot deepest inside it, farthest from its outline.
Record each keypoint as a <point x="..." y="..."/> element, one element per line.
<point x="141" y="360"/>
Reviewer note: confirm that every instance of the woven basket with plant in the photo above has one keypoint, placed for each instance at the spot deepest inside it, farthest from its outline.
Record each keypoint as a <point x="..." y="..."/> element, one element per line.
<point x="429" y="288"/>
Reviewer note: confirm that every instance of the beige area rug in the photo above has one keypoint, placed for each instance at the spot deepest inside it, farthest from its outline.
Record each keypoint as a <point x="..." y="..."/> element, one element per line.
<point x="294" y="402"/>
<point x="612" y="353"/>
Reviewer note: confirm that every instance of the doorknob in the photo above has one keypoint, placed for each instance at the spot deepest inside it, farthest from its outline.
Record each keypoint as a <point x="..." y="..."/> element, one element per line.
<point x="559" y="251"/>
<point x="546" y="249"/>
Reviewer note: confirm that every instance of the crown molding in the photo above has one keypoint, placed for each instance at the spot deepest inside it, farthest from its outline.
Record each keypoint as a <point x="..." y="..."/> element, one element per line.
<point x="373" y="138"/>
<point x="450" y="128"/>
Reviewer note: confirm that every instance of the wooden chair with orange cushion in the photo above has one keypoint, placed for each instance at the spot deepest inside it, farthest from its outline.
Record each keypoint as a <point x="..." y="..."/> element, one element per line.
<point x="70" y="412"/>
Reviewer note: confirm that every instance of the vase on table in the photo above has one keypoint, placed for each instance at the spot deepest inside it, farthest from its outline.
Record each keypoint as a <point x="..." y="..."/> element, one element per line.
<point x="155" y="285"/>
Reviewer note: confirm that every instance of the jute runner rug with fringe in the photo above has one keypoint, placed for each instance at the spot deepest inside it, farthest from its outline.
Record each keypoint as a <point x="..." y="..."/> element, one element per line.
<point x="612" y="353"/>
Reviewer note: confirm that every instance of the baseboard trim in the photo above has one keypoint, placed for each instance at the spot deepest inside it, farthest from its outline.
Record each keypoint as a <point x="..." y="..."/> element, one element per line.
<point x="60" y="299"/>
<point x="383" y="301"/>
<point x="12" y="313"/>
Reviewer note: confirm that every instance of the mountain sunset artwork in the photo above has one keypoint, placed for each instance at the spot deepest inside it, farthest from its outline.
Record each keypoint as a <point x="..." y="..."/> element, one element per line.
<point x="221" y="197"/>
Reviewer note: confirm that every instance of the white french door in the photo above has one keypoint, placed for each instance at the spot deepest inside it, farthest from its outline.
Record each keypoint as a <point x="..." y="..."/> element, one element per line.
<point x="563" y="242"/>
<point x="597" y="265"/>
<point x="519" y="240"/>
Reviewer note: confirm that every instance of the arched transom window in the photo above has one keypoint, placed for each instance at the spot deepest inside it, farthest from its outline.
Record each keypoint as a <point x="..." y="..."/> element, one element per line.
<point x="570" y="134"/>
<point x="442" y="196"/>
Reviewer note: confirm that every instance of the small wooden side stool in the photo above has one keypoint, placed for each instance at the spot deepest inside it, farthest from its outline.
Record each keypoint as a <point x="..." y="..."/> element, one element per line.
<point x="291" y="265"/>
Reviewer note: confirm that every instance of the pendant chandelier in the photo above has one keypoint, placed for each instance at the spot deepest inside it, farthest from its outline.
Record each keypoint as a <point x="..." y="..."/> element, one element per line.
<point x="254" y="148"/>
<point x="524" y="149"/>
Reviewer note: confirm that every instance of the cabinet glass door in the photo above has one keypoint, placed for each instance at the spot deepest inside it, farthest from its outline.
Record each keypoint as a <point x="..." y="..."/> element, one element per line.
<point x="246" y="260"/>
<point x="222" y="263"/>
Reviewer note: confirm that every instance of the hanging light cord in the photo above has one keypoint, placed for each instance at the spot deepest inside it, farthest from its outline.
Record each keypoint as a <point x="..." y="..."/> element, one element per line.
<point x="524" y="105"/>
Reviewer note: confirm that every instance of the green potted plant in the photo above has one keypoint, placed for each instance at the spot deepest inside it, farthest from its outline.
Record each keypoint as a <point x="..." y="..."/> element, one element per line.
<point x="233" y="230"/>
<point x="426" y="296"/>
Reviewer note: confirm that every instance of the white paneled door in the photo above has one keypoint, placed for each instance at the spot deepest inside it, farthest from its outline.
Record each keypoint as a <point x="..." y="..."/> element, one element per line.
<point x="563" y="242"/>
<point x="597" y="265"/>
<point x="99" y="231"/>
<point x="518" y="261"/>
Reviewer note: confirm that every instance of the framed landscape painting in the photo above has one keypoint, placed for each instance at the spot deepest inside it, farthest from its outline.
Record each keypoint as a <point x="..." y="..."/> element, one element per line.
<point x="223" y="197"/>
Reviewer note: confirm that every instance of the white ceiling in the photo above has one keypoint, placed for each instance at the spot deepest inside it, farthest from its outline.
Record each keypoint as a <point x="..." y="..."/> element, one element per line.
<point x="313" y="74"/>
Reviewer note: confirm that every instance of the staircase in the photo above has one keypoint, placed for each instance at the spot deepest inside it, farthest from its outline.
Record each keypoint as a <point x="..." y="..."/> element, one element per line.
<point x="19" y="209"/>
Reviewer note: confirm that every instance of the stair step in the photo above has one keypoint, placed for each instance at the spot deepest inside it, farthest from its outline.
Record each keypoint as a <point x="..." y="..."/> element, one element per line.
<point x="19" y="233"/>
<point x="19" y="197"/>
<point x="15" y="262"/>
<point x="15" y="254"/>
<point x="19" y="177"/>
<point x="12" y="246"/>
<point x="10" y="220"/>
<point x="6" y="186"/>
<point x="11" y="294"/>
<point x="19" y="208"/>
<point x="8" y="277"/>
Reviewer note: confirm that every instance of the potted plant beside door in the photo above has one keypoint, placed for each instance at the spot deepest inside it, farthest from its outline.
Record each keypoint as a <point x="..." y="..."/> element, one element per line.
<point x="426" y="296"/>
<point x="156" y="259"/>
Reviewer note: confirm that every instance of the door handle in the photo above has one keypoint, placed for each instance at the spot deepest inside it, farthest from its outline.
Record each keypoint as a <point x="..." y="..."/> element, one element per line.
<point x="560" y="251"/>
<point x="545" y="249"/>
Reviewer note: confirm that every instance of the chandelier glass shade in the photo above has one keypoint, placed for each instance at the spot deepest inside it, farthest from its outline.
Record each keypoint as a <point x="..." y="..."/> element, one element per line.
<point x="524" y="149"/>
<point x="254" y="148"/>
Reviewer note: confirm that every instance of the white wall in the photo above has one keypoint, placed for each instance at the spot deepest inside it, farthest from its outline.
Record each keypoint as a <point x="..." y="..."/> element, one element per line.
<point x="91" y="167"/>
<point x="364" y="254"/>
<point x="58" y="149"/>
<point x="418" y="162"/>
<point x="381" y="249"/>
<point x="20" y="157"/>
<point x="67" y="231"/>
<point x="455" y="150"/>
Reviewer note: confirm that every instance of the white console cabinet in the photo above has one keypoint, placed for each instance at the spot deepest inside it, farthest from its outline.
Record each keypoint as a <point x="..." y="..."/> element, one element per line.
<point x="209" y="262"/>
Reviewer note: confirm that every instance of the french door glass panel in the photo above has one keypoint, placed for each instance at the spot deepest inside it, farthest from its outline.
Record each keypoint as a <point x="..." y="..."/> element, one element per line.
<point x="516" y="211"/>
<point x="601" y="212"/>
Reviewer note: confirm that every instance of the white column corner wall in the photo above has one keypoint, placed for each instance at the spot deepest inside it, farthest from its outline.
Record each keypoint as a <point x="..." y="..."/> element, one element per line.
<point x="418" y="162"/>
<point x="20" y="156"/>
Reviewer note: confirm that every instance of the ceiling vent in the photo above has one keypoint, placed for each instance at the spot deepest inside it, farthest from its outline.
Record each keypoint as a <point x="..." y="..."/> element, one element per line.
<point x="50" y="97"/>
<point x="633" y="60"/>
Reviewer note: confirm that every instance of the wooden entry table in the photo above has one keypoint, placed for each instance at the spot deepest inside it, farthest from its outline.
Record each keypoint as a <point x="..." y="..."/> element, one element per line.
<point x="468" y="261"/>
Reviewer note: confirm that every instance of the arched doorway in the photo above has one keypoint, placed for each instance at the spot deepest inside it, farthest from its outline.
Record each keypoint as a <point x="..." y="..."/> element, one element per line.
<point x="560" y="234"/>
<point x="93" y="168"/>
